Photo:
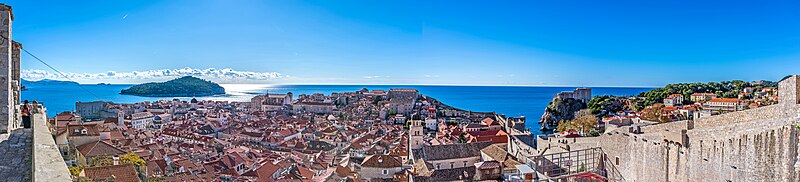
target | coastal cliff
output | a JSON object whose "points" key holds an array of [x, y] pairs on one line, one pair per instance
{"points": [[560, 109], [186, 86]]}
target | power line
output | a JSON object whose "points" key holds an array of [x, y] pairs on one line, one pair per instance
{"points": [[54, 69], [59, 72]]}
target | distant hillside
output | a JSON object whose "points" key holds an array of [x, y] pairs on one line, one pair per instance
{"points": [[186, 86], [724, 89], [47, 82]]}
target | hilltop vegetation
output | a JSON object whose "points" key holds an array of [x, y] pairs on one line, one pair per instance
{"points": [[724, 89], [602, 105], [46, 82], [186, 86]]}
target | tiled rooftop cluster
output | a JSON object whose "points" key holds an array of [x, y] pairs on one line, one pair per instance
{"points": [[359, 135]]}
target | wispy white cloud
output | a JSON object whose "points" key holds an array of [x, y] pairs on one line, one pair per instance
{"points": [[431, 76], [209, 73], [375, 76]]}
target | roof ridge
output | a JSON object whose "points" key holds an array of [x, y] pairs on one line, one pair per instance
{"points": [[93, 146]]}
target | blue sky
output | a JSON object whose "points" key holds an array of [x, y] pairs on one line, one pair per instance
{"points": [[579, 43]]}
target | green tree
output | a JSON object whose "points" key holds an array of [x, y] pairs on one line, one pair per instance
{"points": [[102, 161], [132, 158], [563, 125], [586, 123], [75, 170], [462, 138]]}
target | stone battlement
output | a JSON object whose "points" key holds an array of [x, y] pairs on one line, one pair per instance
{"points": [[760, 144], [31, 154], [788, 90], [47, 163]]}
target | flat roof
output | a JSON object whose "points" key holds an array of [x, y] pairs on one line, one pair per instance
{"points": [[524, 169]]}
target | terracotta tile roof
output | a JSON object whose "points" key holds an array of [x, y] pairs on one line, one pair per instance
{"points": [[488, 165], [453, 151], [343, 171], [99, 148], [65, 116], [703, 94], [77, 130], [496, 152], [724, 100], [675, 95], [381, 161], [119, 173]]}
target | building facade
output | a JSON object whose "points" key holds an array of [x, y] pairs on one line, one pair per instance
{"points": [[581, 94]]}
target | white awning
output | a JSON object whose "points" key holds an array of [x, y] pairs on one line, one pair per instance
{"points": [[524, 169]]}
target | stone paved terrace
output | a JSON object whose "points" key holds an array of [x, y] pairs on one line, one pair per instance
{"points": [[15, 152], [31, 154]]}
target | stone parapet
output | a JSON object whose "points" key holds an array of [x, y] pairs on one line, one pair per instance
{"points": [[787, 90], [47, 163]]}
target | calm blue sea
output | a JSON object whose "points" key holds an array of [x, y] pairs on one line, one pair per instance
{"points": [[510, 100]]}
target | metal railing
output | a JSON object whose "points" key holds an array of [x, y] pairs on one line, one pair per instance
{"points": [[569, 166]]}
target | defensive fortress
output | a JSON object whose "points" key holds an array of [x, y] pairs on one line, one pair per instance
{"points": [[759, 144]]}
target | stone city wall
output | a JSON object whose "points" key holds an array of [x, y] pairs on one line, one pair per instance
{"points": [[762, 150], [643, 157], [766, 154], [670, 126], [47, 163], [761, 113], [760, 144]]}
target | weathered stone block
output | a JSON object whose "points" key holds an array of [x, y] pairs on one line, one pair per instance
{"points": [[788, 90]]}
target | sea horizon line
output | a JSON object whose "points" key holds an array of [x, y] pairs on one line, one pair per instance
{"points": [[383, 84]]}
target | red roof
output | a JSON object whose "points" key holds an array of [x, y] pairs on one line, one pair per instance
{"points": [[702, 94], [100, 148], [122, 173], [489, 121], [675, 95], [724, 100]]}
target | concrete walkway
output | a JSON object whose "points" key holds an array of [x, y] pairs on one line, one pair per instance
{"points": [[15, 154]]}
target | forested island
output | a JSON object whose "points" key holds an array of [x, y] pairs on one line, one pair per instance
{"points": [[186, 86]]}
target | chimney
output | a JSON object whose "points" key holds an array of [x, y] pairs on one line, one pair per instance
{"points": [[787, 90], [116, 160]]}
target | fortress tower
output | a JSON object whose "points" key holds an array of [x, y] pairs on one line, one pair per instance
{"points": [[9, 73]]}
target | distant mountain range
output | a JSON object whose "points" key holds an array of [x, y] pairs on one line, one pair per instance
{"points": [[47, 82], [186, 86]]}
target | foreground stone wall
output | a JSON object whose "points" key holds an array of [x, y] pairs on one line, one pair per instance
{"points": [[16, 84], [644, 157], [762, 155], [760, 144], [6, 98], [761, 113], [671, 126], [47, 163]]}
